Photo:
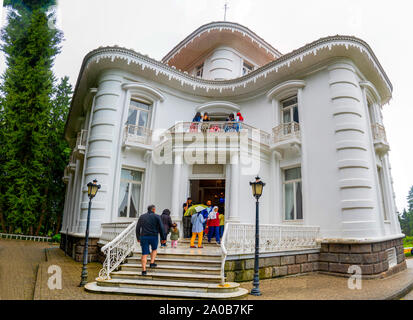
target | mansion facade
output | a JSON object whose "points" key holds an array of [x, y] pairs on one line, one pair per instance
{"points": [[312, 130]]}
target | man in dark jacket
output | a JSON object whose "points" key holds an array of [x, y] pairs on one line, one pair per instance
{"points": [[147, 229], [167, 223]]}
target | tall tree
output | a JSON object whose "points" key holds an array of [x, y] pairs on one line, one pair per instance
{"points": [[27, 87], [410, 199]]}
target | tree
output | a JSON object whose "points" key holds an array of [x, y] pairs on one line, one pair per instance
{"points": [[410, 199], [27, 113]]}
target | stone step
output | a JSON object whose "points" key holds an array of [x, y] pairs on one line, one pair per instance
{"points": [[188, 254], [169, 285], [205, 243], [172, 268], [178, 261], [171, 276], [93, 287]]}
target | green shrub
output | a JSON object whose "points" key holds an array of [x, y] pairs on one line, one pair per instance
{"points": [[56, 238], [408, 241]]}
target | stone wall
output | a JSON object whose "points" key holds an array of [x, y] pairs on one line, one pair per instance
{"points": [[271, 267], [336, 258], [76, 245]]}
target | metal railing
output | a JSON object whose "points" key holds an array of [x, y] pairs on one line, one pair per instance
{"points": [[117, 250], [214, 127], [240, 238], [25, 237], [81, 139], [137, 134], [111, 230], [285, 131], [379, 133]]}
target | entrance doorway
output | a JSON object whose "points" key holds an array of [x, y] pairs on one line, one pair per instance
{"points": [[202, 190]]}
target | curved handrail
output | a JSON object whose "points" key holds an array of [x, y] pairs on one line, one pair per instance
{"points": [[117, 250]]}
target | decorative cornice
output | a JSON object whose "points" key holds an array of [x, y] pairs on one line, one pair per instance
{"points": [[286, 60], [371, 90], [221, 25], [288, 86], [134, 86], [225, 105]]}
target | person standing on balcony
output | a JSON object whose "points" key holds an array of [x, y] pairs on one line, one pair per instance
{"points": [[206, 119], [167, 223], [147, 229], [239, 119], [198, 221], [230, 126], [213, 225], [195, 120]]}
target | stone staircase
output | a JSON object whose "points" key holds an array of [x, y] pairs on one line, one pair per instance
{"points": [[180, 272]]}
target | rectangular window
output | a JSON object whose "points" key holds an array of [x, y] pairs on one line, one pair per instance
{"points": [[246, 68], [138, 117], [199, 70], [293, 199], [129, 193]]}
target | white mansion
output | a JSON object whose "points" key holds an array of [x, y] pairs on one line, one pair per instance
{"points": [[312, 131]]}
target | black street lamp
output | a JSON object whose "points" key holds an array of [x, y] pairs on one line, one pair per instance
{"points": [[92, 189], [257, 187]]}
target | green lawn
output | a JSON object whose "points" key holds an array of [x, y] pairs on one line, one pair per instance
{"points": [[408, 243]]}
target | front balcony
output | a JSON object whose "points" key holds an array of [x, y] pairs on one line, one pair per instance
{"points": [[379, 138], [71, 167], [207, 131], [80, 146], [285, 136], [137, 137]]}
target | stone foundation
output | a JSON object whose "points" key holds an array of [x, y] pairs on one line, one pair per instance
{"points": [[278, 265], [372, 258], [76, 245]]}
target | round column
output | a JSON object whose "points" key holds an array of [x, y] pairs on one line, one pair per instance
{"points": [[358, 206], [103, 139]]}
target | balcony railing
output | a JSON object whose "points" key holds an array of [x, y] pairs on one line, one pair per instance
{"points": [[81, 139], [285, 131], [379, 133], [216, 127], [379, 138], [134, 134]]}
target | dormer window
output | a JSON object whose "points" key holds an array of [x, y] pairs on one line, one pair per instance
{"points": [[200, 70], [247, 68]]}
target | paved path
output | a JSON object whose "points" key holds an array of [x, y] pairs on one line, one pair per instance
{"points": [[19, 280], [19, 260], [323, 287]]}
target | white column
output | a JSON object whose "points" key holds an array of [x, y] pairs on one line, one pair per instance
{"points": [[66, 212], [275, 212], [74, 217], [176, 186], [148, 180], [234, 191], [102, 142]]}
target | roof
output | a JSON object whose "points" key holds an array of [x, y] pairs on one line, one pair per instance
{"points": [[217, 33]]}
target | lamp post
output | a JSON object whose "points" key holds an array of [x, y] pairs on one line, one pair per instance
{"points": [[92, 189], [257, 187]]}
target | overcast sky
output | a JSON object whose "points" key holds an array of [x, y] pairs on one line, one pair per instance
{"points": [[154, 27]]}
